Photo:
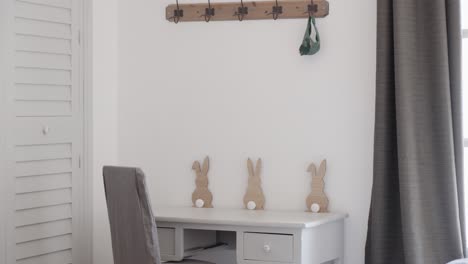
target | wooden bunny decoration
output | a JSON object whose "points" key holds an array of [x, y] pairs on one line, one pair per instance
{"points": [[254, 198], [202, 197], [317, 200]]}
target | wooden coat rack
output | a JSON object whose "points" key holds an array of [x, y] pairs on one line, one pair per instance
{"points": [[255, 10]]}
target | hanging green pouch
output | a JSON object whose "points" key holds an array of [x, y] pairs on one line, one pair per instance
{"points": [[310, 46]]}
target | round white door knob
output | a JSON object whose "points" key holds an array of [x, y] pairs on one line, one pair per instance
{"points": [[251, 205], [267, 248], [45, 130], [199, 203], [315, 208]]}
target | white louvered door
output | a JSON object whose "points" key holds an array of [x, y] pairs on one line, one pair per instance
{"points": [[45, 132]]}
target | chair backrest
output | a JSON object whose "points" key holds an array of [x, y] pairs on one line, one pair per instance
{"points": [[133, 227]]}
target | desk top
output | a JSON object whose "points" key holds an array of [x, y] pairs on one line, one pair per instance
{"points": [[242, 217]]}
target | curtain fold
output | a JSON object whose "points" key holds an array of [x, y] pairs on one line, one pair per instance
{"points": [[417, 207]]}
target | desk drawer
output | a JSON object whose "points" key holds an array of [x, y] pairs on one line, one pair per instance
{"points": [[167, 241], [268, 247]]}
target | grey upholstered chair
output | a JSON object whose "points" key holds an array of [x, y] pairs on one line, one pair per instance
{"points": [[133, 227]]}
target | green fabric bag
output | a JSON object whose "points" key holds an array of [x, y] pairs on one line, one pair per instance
{"points": [[309, 46]]}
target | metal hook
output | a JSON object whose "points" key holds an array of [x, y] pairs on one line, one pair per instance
{"points": [[209, 12], [241, 11], [178, 13], [312, 8], [276, 11]]}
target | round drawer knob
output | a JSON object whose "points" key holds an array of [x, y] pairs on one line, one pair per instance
{"points": [[267, 248], [45, 130]]}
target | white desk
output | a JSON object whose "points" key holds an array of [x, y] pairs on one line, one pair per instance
{"points": [[251, 237]]}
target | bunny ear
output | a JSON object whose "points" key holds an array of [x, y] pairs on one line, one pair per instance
{"points": [[258, 168], [250, 167], [312, 169], [206, 166], [196, 166], [323, 168]]}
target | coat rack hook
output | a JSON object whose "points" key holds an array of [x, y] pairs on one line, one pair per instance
{"points": [[276, 10], [312, 8], [209, 12], [241, 11], [178, 13]]}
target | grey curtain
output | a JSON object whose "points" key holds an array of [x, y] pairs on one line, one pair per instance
{"points": [[417, 210]]}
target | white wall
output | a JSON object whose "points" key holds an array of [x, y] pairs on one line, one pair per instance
{"points": [[234, 90], [105, 110]]}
